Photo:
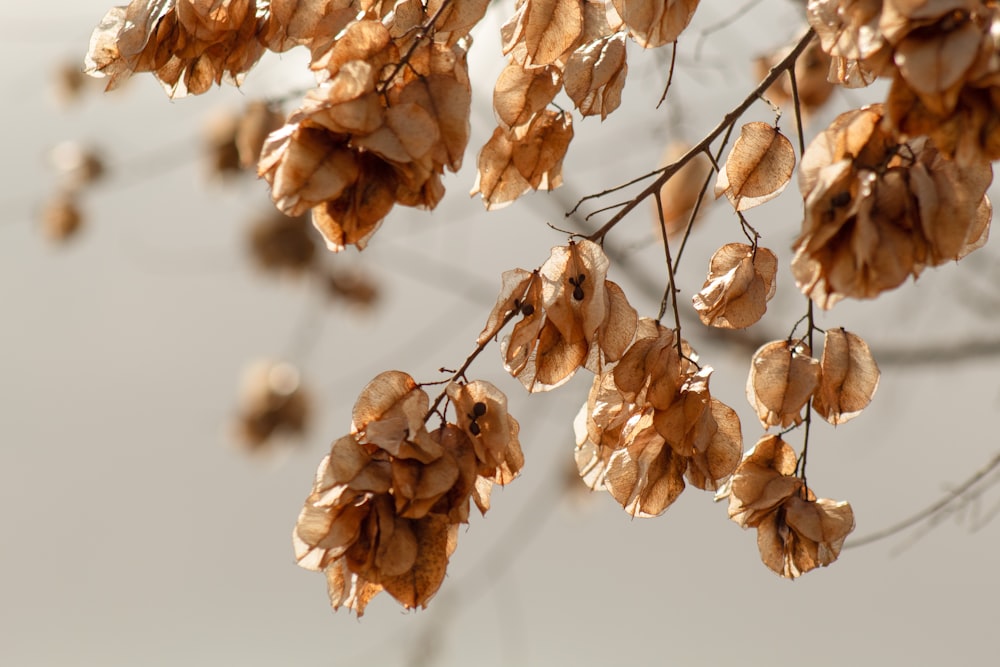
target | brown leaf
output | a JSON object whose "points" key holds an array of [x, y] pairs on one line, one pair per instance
{"points": [[848, 377], [758, 168], [782, 379], [740, 282]]}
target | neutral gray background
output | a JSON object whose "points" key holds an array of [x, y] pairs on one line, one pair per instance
{"points": [[133, 533]]}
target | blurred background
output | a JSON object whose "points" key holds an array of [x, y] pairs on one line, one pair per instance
{"points": [[136, 530]]}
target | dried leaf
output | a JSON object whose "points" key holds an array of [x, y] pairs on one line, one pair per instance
{"points": [[758, 168]]}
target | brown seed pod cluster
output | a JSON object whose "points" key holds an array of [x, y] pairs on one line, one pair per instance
{"points": [[189, 45], [362, 143], [273, 406], [571, 317], [878, 210], [79, 167], [572, 45], [943, 59], [888, 190], [650, 422], [796, 532], [387, 501]]}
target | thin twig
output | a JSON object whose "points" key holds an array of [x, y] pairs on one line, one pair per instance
{"points": [[468, 362], [930, 510], [405, 60], [730, 118], [670, 74]]}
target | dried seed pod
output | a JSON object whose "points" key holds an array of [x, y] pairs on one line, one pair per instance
{"points": [[78, 165], [282, 243], [273, 405], [482, 414], [595, 75], [680, 194], [740, 282], [805, 533], [520, 94], [61, 217], [758, 168], [762, 481], [782, 379], [541, 31], [848, 377], [654, 23]]}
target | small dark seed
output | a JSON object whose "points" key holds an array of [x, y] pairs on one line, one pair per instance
{"points": [[479, 409], [474, 428], [841, 199], [578, 293], [527, 309]]}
